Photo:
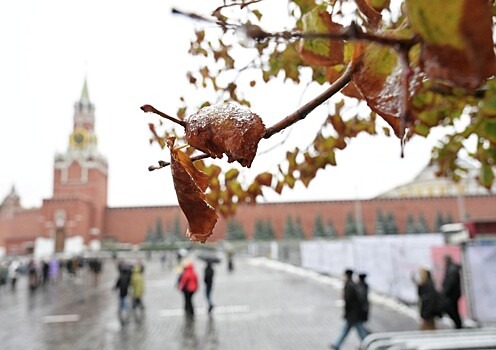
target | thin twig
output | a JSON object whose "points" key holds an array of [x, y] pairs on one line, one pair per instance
{"points": [[241, 5], [350, 32], [163, 163], [151, 109], [195, 16], [303, 111]]}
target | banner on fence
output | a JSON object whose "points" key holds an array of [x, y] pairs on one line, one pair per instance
{"points": [[481, 261]]}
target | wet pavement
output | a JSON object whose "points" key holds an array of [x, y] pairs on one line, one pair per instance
{"points": [[261, 305]]}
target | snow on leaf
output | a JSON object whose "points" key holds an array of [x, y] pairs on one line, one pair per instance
{"points": [[190, 185], [226, 129], [457, 39]]}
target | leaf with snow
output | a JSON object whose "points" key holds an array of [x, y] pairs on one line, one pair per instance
{"points": [[190, 185]]}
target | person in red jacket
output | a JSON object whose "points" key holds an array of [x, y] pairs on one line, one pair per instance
{"points": [[188, 284]]}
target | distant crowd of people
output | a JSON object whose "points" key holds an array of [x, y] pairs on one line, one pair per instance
{"points": [[130, 287], [432, 303], [130, 282], [41, 272]]}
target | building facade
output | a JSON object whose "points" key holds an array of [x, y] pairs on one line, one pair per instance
{"points": [[79, 207]]}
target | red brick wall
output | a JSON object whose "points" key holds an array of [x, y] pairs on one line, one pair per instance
{"points": [[79, 216], [131, 225]]}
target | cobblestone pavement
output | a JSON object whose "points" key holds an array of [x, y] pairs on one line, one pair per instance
{"points": [[261, 305]]}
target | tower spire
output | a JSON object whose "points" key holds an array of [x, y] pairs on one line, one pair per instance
{"points": [[85, 96]]}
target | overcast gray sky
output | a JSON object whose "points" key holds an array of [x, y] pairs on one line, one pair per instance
{"points": [[134, 53]]}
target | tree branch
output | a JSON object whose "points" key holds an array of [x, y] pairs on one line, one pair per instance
{"points": [[163, 163], [404, 102], [241, 5], [303, 111], [151, 109], [351, 32]]}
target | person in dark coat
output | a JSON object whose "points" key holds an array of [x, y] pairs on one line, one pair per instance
{"points": [[429, 307], [363, 295], [452, 290], [208, 278], [352, 311], [122, 285]]}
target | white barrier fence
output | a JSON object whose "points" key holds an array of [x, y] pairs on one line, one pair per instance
{"points": [[45, 247], [481, 260], [390, 261]]}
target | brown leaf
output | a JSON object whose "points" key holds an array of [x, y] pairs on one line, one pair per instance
{"points": [[190, 185], [373, 16], [457, 45], [264, 179], [226, 129], [350, 90], [378, 77], [321, 52]]}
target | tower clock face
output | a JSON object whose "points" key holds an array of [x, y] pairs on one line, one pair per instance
{"points": [[79, 137]]}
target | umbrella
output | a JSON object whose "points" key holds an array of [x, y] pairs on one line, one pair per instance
{"points": [[209, 258], [182, 252]]}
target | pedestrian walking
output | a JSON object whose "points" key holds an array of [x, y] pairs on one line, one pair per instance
{"points": [[54, 269], [352, 311], [95, 266], [429, 300], [163, 258], [45, 267], [452, 290], [13, 273], [122, 285], [4, 272], [208, 278], [33, 275], [138, 288], [363, 296], [230, 260], [188, 284]]}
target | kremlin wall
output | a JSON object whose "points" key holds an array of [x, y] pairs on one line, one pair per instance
{"points": [[78, 206]]}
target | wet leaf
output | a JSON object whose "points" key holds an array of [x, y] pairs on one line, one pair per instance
{"points": [[486, 177], [279, 187], [337, 123], [190, 185], [321, 52], [379, 5], [373, 16], [156, 137], [264, 179], [231, 174], [457, 45], [226, 129], [333, 73], [487, 129], [379, 79]]}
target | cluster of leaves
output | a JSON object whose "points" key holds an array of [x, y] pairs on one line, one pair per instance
{"points": [[414, 68]]}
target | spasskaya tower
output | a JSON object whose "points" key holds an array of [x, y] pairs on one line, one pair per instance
{"points": [[79, 181]]}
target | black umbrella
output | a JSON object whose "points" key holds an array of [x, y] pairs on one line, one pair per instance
{"points": [[209, 258]]}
